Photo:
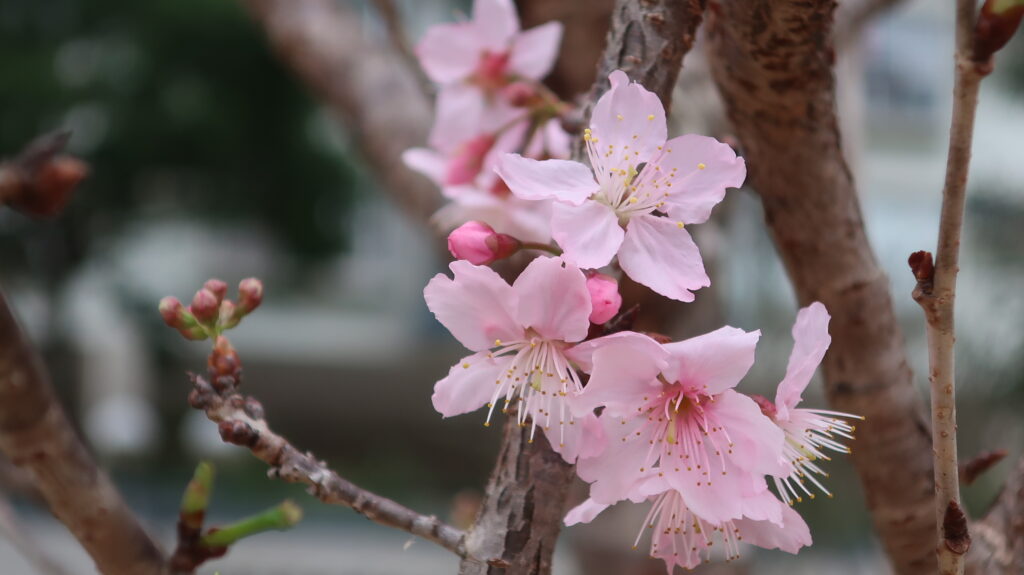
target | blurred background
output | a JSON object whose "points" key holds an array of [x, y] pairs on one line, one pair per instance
{"points": [[208, 158]]}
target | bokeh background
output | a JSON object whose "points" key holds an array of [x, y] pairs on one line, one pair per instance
{"points": [[210, 159]]}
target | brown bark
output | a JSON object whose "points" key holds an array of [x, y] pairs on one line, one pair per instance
{"points": [[998, 539], [772, 60], [365, 84], [36, 435]]}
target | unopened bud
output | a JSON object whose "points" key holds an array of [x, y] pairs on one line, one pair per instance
{"points": [[205, 306], [217, 287], [250, 295], [228, 316], [479, 244], [605, 299], [171, 310], [51, 187], [996, 24]]}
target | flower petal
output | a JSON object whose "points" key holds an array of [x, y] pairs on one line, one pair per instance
{"points": [[589, 234], [616, 473], [623, 371], [449, 52], [553, 300], [496, 23], [562, 180], [468, 386], [810, 342], [790, 537], [628, 123], [585, 438], [585, 512], [695, 171], [535, 50], [713, 362], [461, 114], [477, 306], [661, 255], [757, 443], [427, 162]]}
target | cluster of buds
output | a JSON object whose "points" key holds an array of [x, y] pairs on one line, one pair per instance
{"points": [[211, 313]]}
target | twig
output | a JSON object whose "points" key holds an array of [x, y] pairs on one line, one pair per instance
{"points": [[997, 547], [36, 434], [240, 420], [39, 181], [772, 61], [10, 528], [979, 464], [936, 293], [392, 17]]}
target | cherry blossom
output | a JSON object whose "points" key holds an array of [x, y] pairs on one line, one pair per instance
{"points": [[810, 433], [636, 196], [479, 244]]}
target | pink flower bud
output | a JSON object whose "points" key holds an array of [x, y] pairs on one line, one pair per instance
{"points": [[205, 306], [466, 163], [217, 287], [604, 297], [479, 244], [520, 94], [171, 310], [250, 295]]}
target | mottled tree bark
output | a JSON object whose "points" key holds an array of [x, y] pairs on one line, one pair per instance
{"points": [[998, 540], [36, 434], [773, 61]]}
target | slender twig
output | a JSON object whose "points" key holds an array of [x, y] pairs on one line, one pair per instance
{"points": [[36, 434], [10, 528], [936, 294], [399, 37], [241, 421]]}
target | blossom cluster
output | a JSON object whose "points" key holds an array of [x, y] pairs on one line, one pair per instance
{"points": [[645, 420]]}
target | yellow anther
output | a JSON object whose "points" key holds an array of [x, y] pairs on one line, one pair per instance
{"points": [[633, 200], [679, 225], [650, 116], [465, 365], [701, 166], [497, 342], [618, 116]]}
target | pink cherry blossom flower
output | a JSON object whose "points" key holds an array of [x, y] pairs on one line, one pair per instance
{"points": [[686, 427], [810, 433], [490, 50], [604, 294], [522, 336], [616, 206]]}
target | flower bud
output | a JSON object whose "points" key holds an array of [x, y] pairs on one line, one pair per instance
{"points": [[604, 297], [466, 163], [479, 244], [171, 310], [217, 287], [250, 295], [205, 306], [520, 94]]}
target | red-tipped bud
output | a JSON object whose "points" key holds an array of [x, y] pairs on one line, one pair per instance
{"points": [[228, 316], [224, 361], [250, 295], [996, 25], [205, 306], [520, 94], [605, 299], [217, 287], [479, 244], [171, 310]]}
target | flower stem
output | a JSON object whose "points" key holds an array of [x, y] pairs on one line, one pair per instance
{"points": [[542, 247], [285, 515], [197, 493]]}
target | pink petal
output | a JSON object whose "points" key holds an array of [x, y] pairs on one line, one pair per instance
{"points": [[449, 52], [584, 512], [761, 504], [615, 474], [757, 441], [496, 22], [661, 255], [528, 221], [585, 438], [704, 168], [562, 180], [468, 387], [811, 341], [461, 114], [478, 307], [589, 234], [535, 50], [790, 537], [427, 162], [624, 368], [713, 362], [625, 111], [707, 492], [553, 300]]}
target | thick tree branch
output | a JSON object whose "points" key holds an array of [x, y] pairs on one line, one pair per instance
{"points": [[364, 84], [241, 422], [772, 60], [36, 434]]}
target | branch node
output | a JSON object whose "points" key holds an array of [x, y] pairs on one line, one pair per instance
{"points": [[954, 529]]}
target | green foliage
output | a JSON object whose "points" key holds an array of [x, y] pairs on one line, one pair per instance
{"points": [[180, 108]]}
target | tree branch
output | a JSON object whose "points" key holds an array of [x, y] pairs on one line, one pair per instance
{"points": [[998, 539], [364, 84], [36, 434], [240, 420], [772, 61]]}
